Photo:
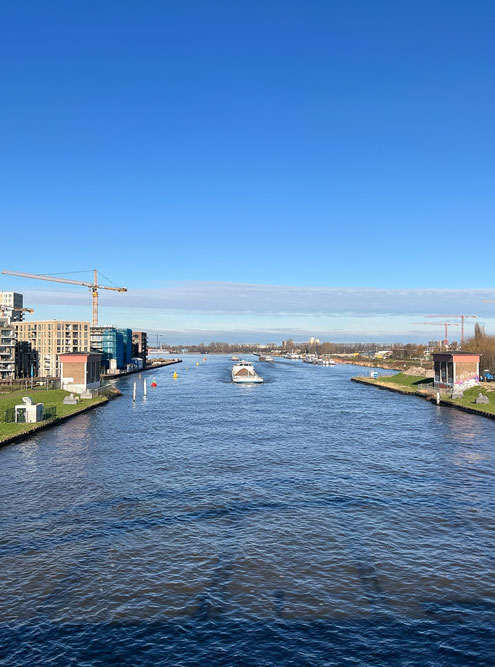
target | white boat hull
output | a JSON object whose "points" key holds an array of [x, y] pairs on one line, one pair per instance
{"points": [[248, 380]]}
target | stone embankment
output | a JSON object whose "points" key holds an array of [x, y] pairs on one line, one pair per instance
{"points": [[149, 367], [392, 365]]}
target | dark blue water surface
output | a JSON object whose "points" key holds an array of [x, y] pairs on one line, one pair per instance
{"points": [[306, 521]]}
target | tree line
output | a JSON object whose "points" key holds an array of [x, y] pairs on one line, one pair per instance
{"points": [[484, 344]]}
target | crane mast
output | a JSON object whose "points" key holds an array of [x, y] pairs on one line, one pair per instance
{"points": [[93, 287], [461, 317], [444, 324]]}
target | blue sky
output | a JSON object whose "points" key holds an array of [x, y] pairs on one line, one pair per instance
{"points": [[191, 150]]}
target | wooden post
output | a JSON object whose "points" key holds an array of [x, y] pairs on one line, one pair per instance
{"points": [[134, 392]]}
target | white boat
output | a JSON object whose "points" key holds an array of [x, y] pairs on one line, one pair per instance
{"points": [[243, 372], [265, 357]]}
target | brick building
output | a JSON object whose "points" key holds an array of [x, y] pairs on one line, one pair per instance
{"points": [[453, 368], [80, 371]]}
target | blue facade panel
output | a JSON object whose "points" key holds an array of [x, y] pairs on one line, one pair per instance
{"points": [[113, 344], [126, 346]]}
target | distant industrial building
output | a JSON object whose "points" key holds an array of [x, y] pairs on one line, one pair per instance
{"points": [[52, 338], [140, 345], [11, 304]]}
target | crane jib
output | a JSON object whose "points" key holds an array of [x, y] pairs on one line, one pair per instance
{"points": [[94, 286]]}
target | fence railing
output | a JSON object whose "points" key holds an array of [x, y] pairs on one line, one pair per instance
{"points": [[28, 384], [8, 415]]}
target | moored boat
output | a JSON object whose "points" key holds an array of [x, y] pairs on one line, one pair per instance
{"points": [[243, 372]]}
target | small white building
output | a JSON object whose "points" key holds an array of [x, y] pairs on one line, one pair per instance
{"points": [[29, 412]]}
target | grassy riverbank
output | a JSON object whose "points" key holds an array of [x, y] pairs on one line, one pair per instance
{"points": [[468, 401], [52, 399], [412, 384], [407, 384]]}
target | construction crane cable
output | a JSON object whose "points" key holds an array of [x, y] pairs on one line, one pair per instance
{"points": [[107, 278], [66, 273], [93, 286]]}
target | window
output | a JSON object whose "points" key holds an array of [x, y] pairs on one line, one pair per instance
{"points": [[450, 372]]}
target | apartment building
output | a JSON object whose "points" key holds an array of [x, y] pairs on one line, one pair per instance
{"points": [[26, 360], [9, 301], [52, 338], [17, 358], [7, 349]]}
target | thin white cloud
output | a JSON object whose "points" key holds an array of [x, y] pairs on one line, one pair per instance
{"points": [[278, 300]]}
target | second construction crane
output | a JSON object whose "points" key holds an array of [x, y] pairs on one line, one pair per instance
{"points": [[12, 309], [93, 287], [444, 324], [461, 317]]}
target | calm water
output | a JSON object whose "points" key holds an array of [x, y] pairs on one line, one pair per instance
{"points": [[307, 521]]}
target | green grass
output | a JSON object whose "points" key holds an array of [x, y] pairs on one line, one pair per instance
{"points": [[469, 400], [411, 383], [52, 397], [401, 378]]}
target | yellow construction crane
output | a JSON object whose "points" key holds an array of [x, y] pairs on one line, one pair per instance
{"points": [[4, 309], [19, 310], [93, 287]]}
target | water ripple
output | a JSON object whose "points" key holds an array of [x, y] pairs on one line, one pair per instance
{"points": [[309, 521]]}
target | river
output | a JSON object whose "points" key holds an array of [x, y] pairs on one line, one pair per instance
{"points": [[306, 521]]}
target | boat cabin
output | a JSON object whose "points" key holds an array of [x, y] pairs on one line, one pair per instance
{"points": [[244, 369], [454, 368]]}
